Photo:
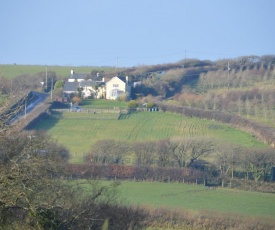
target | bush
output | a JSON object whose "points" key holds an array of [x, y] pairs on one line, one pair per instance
{"points": [[59, 84], [150, 105], [77, 100], [132, 105]]}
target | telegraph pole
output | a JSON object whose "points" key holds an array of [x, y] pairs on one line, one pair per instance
{"points": [[116, 64], [52, 89], [46, 78], [228, 69]]}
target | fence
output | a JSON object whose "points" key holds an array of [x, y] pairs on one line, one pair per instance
{"points": [[115, 110], [94, 114]]}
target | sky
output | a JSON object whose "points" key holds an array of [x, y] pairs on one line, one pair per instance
{"points": [[126, 33]]}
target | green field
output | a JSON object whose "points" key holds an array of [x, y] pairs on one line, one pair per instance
{"points": [[11, 71], [90, 103], [79, 131], [197, 198]]}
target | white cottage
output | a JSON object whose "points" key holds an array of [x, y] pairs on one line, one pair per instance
{"points": [[117, 87], [79, 77]]}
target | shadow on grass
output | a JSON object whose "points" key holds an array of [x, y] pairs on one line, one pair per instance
{"points": [[44, 121], [123, 116]]}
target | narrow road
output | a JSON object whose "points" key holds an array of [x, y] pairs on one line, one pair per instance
{"points": [[39, 98]]}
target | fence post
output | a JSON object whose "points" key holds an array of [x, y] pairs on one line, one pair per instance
{"points": [[222, 183], [183, 180], [196, 181]]}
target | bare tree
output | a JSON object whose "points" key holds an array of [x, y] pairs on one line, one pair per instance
{"points": [[258, 162], [226, 159], [108, 151], [145, 153], [164, 153], [186, 151], [28, 162]]}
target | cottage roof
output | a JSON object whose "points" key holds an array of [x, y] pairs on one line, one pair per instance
{"points": [[122, 78], [78, 76], [71, 86], [87, 83], [101, 83]]}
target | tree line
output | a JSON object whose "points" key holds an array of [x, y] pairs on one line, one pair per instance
{"points": [[177, 159], [175, 152]]}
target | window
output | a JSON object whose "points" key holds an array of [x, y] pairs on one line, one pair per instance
{"points": [[115, 85]]}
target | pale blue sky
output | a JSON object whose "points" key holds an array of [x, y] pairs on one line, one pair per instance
{"points": [[133, 32]]}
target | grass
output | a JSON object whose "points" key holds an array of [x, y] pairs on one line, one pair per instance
{"points": [[79, 131], [197, 198], [11, 71], [90, 103]]}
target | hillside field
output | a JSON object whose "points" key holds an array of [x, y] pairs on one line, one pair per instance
{"points": [[79, 131], [11, 71], [91, 103], [196, 198]]}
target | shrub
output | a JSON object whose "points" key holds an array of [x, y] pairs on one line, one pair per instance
{"points": [[132, 105], [150, 105]]}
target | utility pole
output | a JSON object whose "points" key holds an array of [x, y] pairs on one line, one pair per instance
{"points": [[116, 64], [185, 54], [52, 89], [228, 69], [46, 79]]}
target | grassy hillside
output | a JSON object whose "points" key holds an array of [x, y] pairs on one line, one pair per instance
{"points": [[198, 198], [11, 71], [79, 131]]}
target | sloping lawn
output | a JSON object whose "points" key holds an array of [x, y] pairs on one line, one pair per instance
{"points": [[79, 131]]}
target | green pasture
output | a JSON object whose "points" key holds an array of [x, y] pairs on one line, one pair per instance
{"points": [[196, 198], [11, 71], [91, 103], [79, 131]]}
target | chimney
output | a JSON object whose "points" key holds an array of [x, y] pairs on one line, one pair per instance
{"points": [[103, 79], [127, 79], [72, 72]]}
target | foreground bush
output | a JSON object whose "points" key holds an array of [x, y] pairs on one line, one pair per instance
{"points": [[166, 219], [33, 194]]}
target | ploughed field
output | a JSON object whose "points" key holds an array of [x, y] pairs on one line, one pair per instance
{"points": [[79, 131]]}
